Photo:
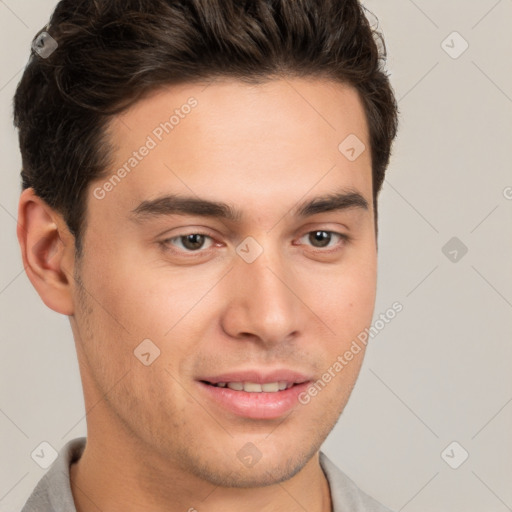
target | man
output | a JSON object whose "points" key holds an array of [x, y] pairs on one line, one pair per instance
{"points": [[200, 198]]}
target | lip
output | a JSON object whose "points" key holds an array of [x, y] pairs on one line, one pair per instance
{"points": [[263, 405], [259, 377]]}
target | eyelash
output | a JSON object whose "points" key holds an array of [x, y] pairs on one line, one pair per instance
{"points": [[167, 245]]}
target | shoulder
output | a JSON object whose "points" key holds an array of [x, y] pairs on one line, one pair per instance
{"points": [[53, 492], [345, 494]]}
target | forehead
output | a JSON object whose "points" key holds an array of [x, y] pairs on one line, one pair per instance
{"points": [[254, 145]]}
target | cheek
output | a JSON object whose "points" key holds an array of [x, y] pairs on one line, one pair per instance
{"points": [[344, 297], [130, 297], [150, 302]]}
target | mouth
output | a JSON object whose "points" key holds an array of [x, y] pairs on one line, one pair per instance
{"points": [[255, 395], [254, 387]]}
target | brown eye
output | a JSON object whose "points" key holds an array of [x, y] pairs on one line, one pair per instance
{"points": [[322, 239], [191, 242]]}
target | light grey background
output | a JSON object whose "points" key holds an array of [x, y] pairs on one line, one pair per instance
{"points": [[440, 371]]}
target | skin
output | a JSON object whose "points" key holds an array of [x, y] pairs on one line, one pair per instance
{"points": [[155, 441]]}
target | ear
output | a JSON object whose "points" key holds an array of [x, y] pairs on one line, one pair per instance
{"points": [[47, 250]]}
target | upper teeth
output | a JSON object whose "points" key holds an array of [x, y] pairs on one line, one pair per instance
{"points": [[253, 387]]}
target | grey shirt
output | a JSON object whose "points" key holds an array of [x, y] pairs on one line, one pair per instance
{"points": [[53, 492]]}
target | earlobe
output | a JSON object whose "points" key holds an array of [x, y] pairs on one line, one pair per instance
{"points": [[47, 250]]}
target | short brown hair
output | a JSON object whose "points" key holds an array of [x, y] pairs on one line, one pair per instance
{"points": [[112, 52]]}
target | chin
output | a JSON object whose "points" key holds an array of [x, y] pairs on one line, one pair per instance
{"points": [[271, 469], [261, 475]]}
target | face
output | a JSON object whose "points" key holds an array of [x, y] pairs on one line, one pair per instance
{"points": [[194, 316]]}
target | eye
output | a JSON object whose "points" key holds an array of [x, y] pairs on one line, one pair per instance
{"points": [[199, 243], [321, 239], [191, 242]]}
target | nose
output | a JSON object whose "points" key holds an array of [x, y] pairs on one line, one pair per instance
{"points": [[264, 305]]}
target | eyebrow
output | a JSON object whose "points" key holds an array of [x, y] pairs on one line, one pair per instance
{"points": [[188, 205]]}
